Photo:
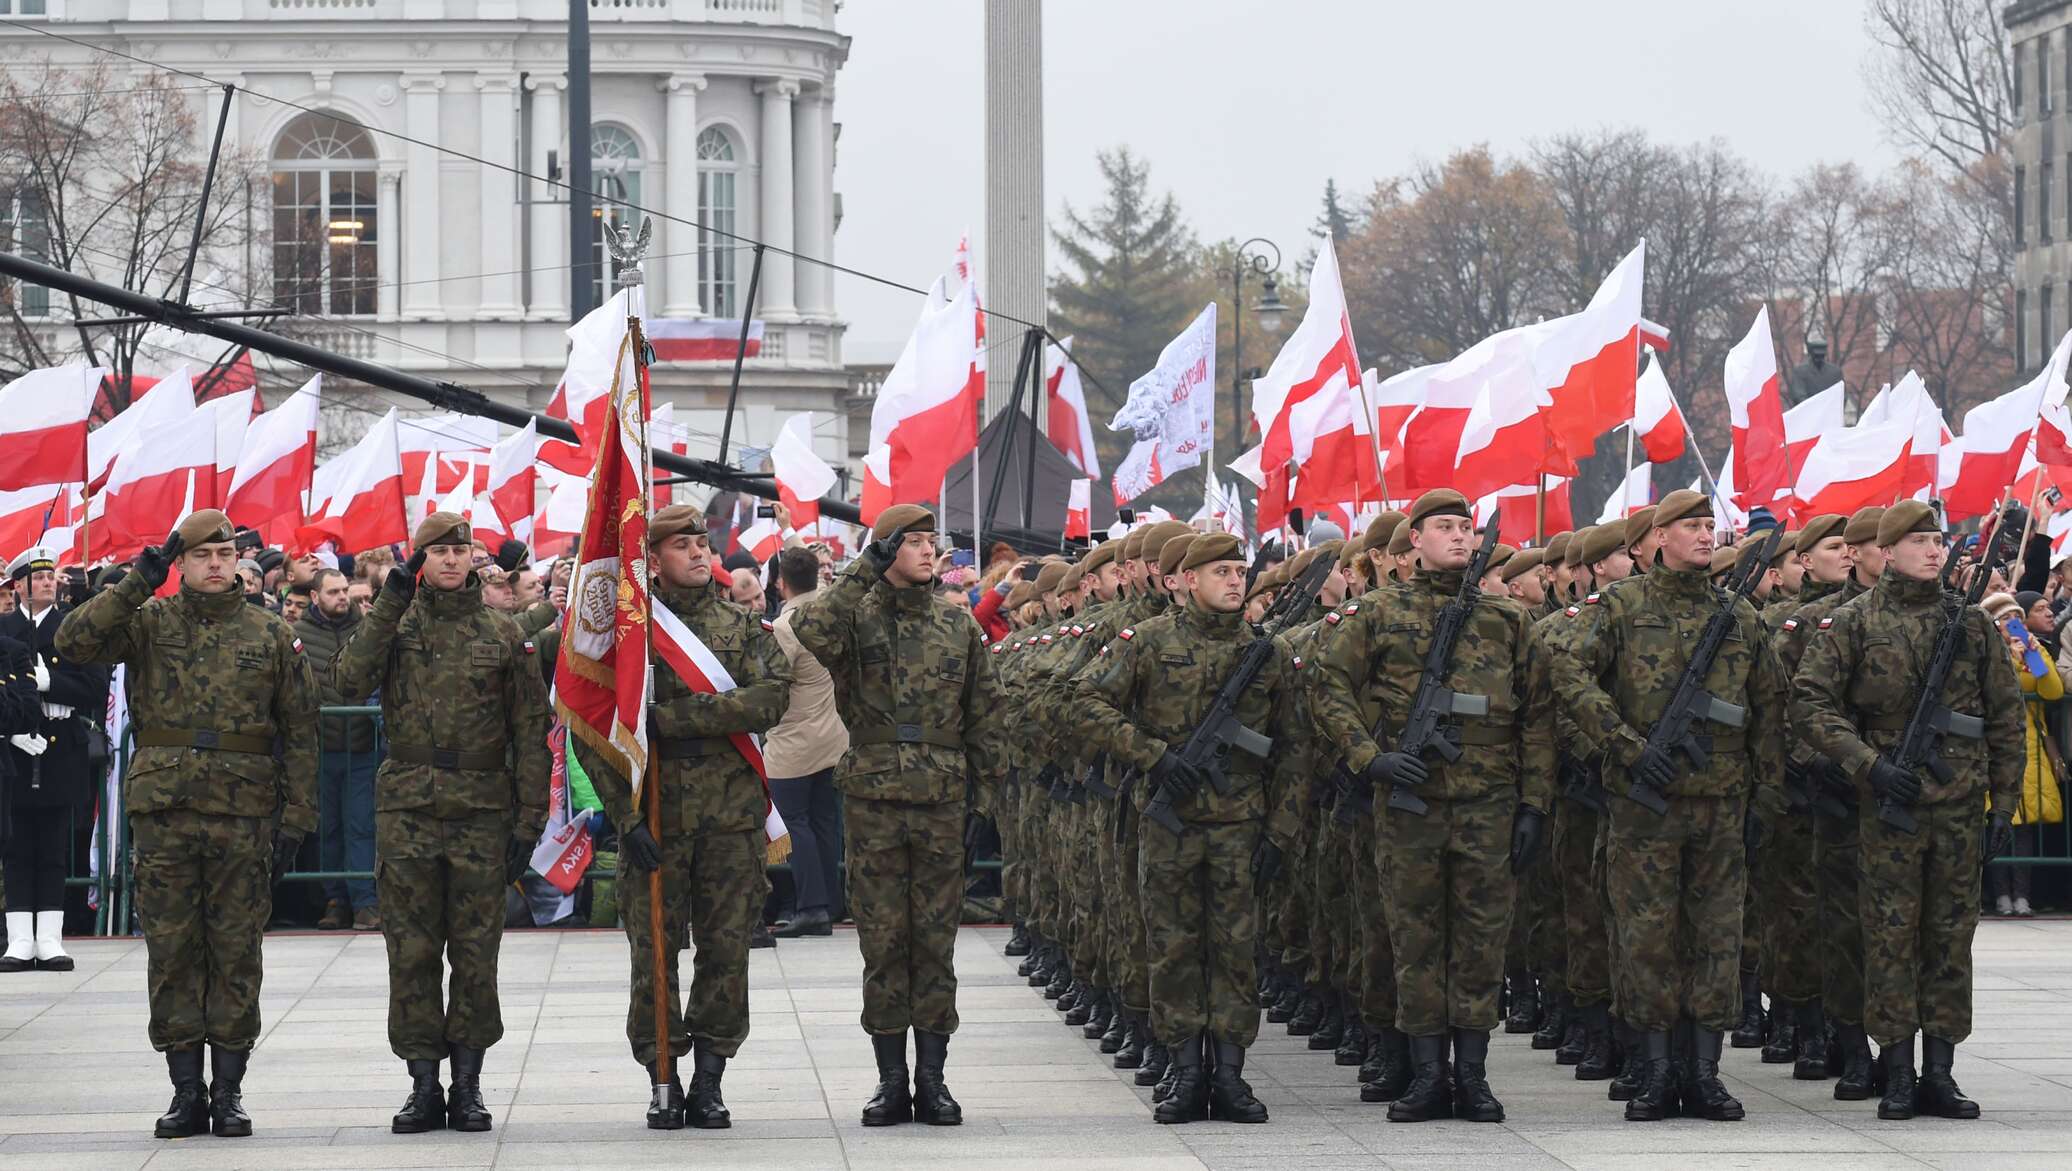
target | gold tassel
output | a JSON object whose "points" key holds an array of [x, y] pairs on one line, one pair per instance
{"points": [[778, 850]]}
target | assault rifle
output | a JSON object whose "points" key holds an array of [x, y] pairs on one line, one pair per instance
{"points": [[1690, 702], [1920, 746], [1209, 745]]}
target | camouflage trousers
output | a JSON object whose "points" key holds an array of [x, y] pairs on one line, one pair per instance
{"points": [[1201, 924], [1449, 910], [1297, 890], [1084, 873], [1547, 935], [1043, 850], [1330, 906], [1136, 970], [1919, 902], [442, 903], [1839, 867], [906, 884], [1588, 975], [716, 884], [1377, 966], [1676, 883], [1114, 895], [1787, 881], [203, 898], [1014, 869]]}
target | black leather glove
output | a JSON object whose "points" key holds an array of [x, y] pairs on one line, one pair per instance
{"points": [[517, 860], [402, 580], [285, 843], [1893, 783], [1999, 835], [879, 554], [1528, 831], [510, 555], [1266, 865], [638, 849], [154, 564], [1655, 768], [1176, 776], [1391, 768]]}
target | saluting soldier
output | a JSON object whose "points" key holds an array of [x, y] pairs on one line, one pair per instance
{"points": [[1857, 685], [1449, 874], [221, 792], [458, 805]]}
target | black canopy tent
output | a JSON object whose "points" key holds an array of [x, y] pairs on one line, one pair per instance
{"points": [[1006, 447]]}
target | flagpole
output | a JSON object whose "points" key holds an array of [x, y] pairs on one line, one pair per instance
{"points": [[1539, 508], [1711, 484]]}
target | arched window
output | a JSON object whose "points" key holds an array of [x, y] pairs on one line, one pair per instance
{"points": [[718, 171], [614, 174], [324, 216]]}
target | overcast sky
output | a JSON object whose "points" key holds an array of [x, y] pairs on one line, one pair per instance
{"points": [[1243, 109]]}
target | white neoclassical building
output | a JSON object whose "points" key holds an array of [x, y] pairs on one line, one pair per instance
{"points": [[435, 255]]}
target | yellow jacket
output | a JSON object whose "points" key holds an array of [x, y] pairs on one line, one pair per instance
{"points": [[2042, 798]]}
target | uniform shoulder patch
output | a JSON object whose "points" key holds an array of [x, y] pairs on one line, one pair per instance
{"points": [[1572, 611], [1047, 639], [296, 643], [530, 647], [1334, 618], [997, 648], [1791, 624], [1126, 633], [1298, 662], [1826, 622], [1078, 631], [1592, 599], [769, 625], [1352, 608], [1066, 628]]}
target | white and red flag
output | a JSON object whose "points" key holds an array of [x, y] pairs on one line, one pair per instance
{"points": [[1657, 420], [514, 479], [169, 402], [1517, 507], [1171, 410], [277, 461], [1908, 402], [586, 383], [802, 476], [27, 513], [926, 415], [1805, 423], [1069, 425], [43, 425], [665, 435], [1755, 412], [1309, 400], [364, 507], [1588, 364], [679, 648], [1854, 468], [1635, 492], [1079, 502], [761, 540], [1978, 466], [702, 339]]}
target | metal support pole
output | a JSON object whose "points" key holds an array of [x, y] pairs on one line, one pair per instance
{"points": [[726, 429], [1032, 348], [208, 184]]}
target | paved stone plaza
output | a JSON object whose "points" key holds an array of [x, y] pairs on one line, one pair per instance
{"points": [[79, 1085]]}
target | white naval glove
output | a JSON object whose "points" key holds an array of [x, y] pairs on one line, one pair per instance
{"points": [[30, 743], [42, 674]]}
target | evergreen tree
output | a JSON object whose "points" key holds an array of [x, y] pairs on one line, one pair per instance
{"points": [[1334, 221]]}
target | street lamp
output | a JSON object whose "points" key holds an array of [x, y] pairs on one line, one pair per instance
{"points": [[1270, 309]]}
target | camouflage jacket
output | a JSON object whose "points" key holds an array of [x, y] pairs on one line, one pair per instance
{"points": [[1861, 672], [1630, 650], [717, 790], [1369, 666], [207, 663], [1147, 690], [905, 661], [1553, 634], [1788, 631], [455, 676]]}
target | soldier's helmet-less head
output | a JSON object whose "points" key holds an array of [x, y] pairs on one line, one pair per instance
{"points": [[1684, 519], [208, 552], [684, 564], [915, 563], [448, 543]]}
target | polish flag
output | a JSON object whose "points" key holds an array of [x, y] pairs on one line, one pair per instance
{"points": [[560, 517], [701, 339], [762, 540], [1395, 399], [802, 476], [877, 485], [1657, 420], [1654, 337], [665, 435], [1634, 493], [2059, 529], [1079, 510], [1755, 409], [1588, 365], [1516, 508], [1069, 426], [1431, 445], [514, 479], [277, 461], [1506, 430], [365, 505], [26, 514], [1977, 467], [927, 408], [1806, 423], [233, 415], [1907, 401], [579, 398], [1854, 468], [43, 436], [159, 478], [434, 447], [170, 402], [1320, 363]]}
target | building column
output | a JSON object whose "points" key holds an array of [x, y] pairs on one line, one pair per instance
{"points": [[499, 121], [679, 240], [815, 206], [549, 301], [1014, 275], [775, 298], [421, 293], [388, 243]]}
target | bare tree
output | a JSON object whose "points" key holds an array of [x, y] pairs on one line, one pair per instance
{"points": [[1942, 78], [1945, 302]]}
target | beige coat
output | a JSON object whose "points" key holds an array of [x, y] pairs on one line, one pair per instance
{"points": [[810, 737]]}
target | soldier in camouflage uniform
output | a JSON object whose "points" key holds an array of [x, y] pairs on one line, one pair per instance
{"points": [[220, 794], [1525, 582], [914, 686], [1450, 870], [1676, 879], [712, 804], [459, 803], [1920, 894]]}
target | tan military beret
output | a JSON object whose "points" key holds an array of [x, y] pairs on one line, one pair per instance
{"points": [[1820, 528], [1021, 595], [1069, 584], [1523, 562], [1599, 543], [1268, 581], [1381, 528], [1352, 549], [1786, 544], [1501, 556], [1557, 549], [1439, 502], [1328, 549], [1681, 505], [1132, 545], [1724, 558], [1156, 535], [1173, 552], [911, 517], [674, 520], [1399, 544], [1573, 555], [1863, 525], [1049, 576], [1300, 563], [1908, 516], [207, 526], [1101, 554], [1639, 525], [442, 528], [1210, 548]]}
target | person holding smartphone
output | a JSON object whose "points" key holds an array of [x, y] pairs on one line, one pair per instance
{"points": [[2042, 801]]}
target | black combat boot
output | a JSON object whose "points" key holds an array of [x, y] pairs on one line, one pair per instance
{"points": [[1332, 1027], [1782, 1045], [665, 1102], [1632, 1064], [1230, 1096], [1473, 1101], [1130, 1054], [1393, 1071], [1117, 1034], [1018, 943], [1656, 1096], [1308, 1014], [1187, 1094], [188, 1116], [1287, 999], [707, 1110], [464, 1108], [1352, 1041], [1370, 1063], [1937, 1094], [1553, 1022], [1809, 1032], [227, 1117], [1101, 1018], [1524, 992], [1704, 1095], [891, 1103], [1074, 1000], [1430, 1092], [1898, 1104], [1853, 1080], [1597, 1064], [1749, 1033], [1573, 1038], [1060, 977], [932, 1102], [1039, 951], [1156, 1060], [425, 1108]]}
